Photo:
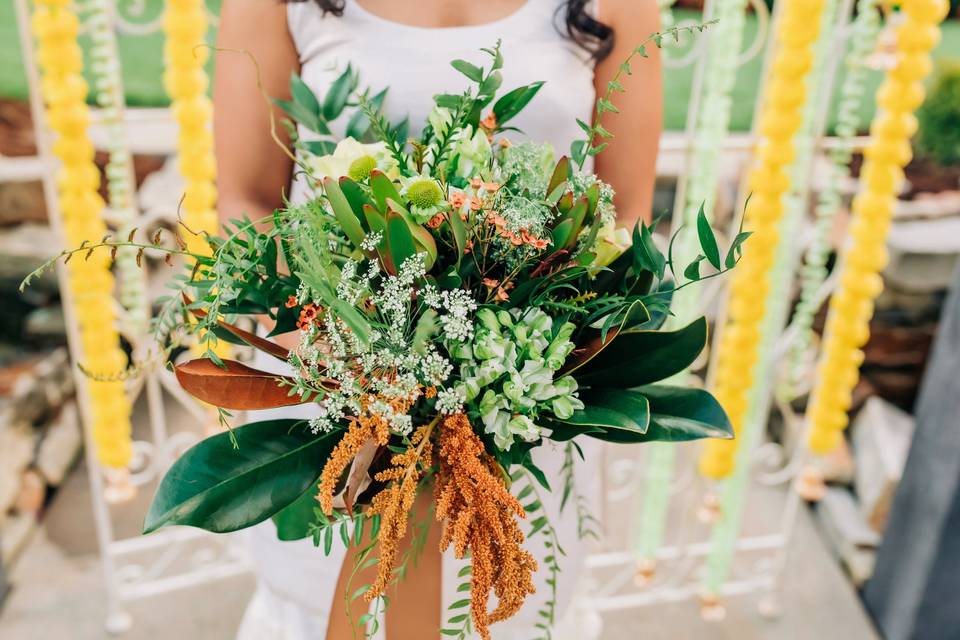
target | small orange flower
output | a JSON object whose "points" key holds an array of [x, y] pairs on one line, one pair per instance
{"points": [[308, 314], [505, 144], [435, 221], [458, 199], [495, 220], [475, 203], [430, 392], [490, 283], [489, 122], [501, 295], [291, 302]]}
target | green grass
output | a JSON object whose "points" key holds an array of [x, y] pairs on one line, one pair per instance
{"points": [[143, 69]]}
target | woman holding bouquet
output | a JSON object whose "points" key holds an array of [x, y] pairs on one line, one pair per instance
{"points": [[405, 45]]}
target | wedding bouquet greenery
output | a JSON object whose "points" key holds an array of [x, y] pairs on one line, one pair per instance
{"points": [[460, 300]]}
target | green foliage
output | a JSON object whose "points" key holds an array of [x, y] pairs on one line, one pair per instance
{"points": [[234, 480], [642, 357], [938, 136], [676, 414], [595, 134], [459, 624]]}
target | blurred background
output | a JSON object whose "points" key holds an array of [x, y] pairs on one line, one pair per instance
{"points": [[862, 543]]}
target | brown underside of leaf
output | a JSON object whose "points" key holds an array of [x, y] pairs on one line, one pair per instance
{"points": [[235, 386]]}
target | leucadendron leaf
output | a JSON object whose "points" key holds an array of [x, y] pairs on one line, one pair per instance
{"points": [[235, 480]]}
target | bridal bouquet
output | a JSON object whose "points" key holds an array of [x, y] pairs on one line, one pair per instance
{"points": [[460, 299]]}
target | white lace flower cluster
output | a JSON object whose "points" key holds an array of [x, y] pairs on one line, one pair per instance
{"points": [[508, 371], [392, 364], [456, 307]]}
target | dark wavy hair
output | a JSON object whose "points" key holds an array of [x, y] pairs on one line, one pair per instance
{"points": [[581, 27]]}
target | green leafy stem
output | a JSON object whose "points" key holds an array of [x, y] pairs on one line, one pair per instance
{"points": [[582, 149]]}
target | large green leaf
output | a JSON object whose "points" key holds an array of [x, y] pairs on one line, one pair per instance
{"points": [[676, 414], [356, 197], [399, 239], [383, 189], [221, 487], [339, 93], [641, 357], [293, 521], [603, 332], [343, 212], [681, 413], [514, 101], [623, 415]]}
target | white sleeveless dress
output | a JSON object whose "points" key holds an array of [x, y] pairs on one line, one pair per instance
{"points": [[296, 582]]}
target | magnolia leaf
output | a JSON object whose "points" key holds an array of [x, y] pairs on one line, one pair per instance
{"points": [[235, 385], [597, 341], [678, 414], [642, 357], [294, 521], [221, 487]]}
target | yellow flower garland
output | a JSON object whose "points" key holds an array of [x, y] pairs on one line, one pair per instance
{"points": [[185, 25], [55, 27], [781, 116], [865, 255]]}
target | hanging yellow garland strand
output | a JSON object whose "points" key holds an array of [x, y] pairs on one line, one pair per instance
{"points": [[185, 25], [865, 255], [781, 116], [55, 27]]}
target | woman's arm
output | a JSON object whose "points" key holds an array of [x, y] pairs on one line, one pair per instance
{"points": [[252, 170], [630, 163]]}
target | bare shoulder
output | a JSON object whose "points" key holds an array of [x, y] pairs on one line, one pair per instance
{"points": [[631, 15], [263, 16]]}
